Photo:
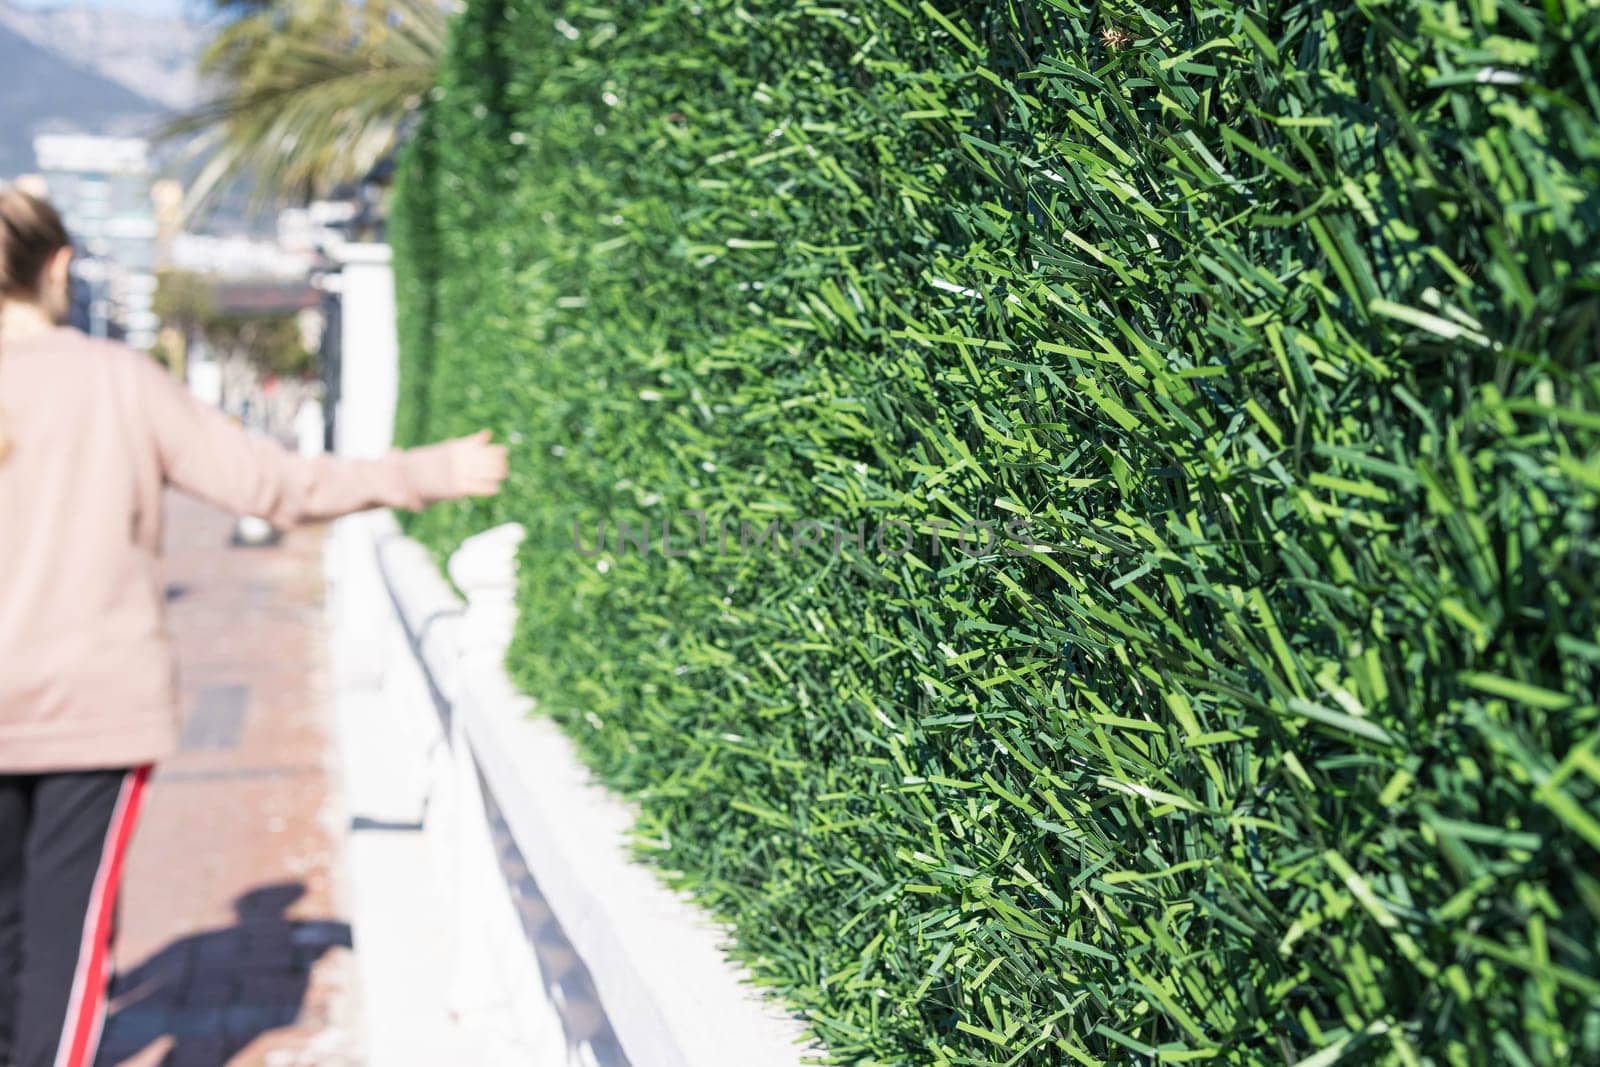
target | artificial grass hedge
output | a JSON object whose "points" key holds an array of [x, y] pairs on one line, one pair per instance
{"points": [[1278, 321]]}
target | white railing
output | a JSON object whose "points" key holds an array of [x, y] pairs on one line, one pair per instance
{"points": [[533, 937]]}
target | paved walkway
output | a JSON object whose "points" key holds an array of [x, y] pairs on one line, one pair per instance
{"points": [[233, 947]]}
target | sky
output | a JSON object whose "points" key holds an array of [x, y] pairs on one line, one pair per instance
{"points": [[146, 7]]}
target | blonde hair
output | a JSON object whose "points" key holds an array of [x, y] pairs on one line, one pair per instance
{"points": [[30, 233]]}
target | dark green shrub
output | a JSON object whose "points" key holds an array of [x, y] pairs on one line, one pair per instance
{"points": [[1278, 322]]}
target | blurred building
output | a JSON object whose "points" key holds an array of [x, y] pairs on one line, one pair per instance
{"points": [[318, 226], [295, 249], [102, 187], [239, 256]]}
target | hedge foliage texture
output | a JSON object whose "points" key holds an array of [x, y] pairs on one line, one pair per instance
{"points": [[1272, 737]]}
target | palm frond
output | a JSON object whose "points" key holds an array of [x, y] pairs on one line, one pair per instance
{"points": [[312, 94]]}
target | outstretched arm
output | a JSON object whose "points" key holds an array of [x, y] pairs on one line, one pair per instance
{"points": [[208, 455]]}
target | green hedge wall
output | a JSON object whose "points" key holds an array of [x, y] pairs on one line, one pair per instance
{"points": [[1271, 736]]}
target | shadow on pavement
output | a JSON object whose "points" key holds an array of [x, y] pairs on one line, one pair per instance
{"points": [[210, 994]]}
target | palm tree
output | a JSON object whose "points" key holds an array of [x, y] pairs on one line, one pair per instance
{"points": [[311, 94]]}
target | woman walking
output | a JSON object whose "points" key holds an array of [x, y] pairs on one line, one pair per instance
{"points": [[91, 432]]}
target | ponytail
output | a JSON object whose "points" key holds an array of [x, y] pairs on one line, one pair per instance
{"points": [[30, 233], [5, 440]]}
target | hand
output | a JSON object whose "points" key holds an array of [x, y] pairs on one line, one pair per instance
{"points": [[477, 467]]}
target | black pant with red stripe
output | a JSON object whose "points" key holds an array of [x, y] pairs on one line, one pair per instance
{"points": [[62, 840]]}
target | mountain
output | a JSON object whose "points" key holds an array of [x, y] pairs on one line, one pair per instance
{"points": [[151, 56], [88, 71]]}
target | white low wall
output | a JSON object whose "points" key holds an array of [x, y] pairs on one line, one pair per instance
{"points": [[369, 372], [498, 916]]}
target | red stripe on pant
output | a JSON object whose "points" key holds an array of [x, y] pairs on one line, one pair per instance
{"points": [[86, 1011]]}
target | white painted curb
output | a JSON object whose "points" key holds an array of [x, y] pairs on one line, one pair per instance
{"points": [[588, 958]]}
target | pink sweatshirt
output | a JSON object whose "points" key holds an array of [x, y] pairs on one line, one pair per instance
{"points": [[97, 430]]}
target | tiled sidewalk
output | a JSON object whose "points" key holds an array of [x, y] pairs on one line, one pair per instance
{"points": [[232, 947]]}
